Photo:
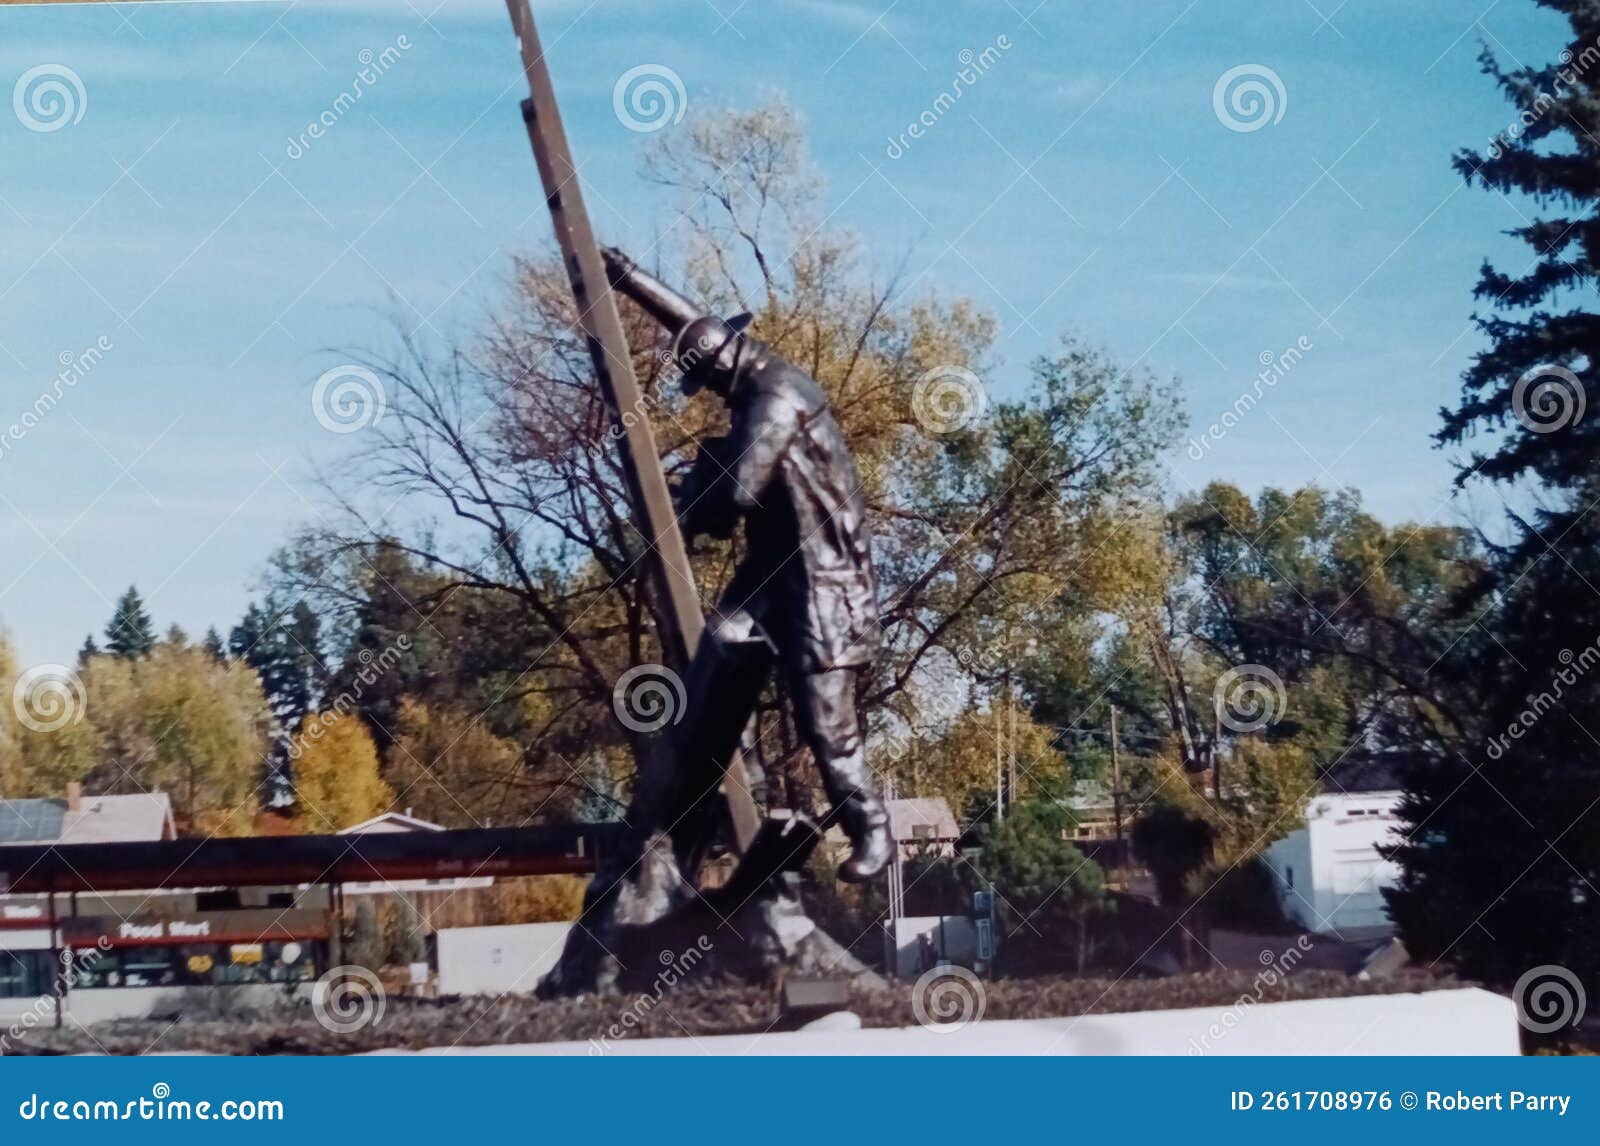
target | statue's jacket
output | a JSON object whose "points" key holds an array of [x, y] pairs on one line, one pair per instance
{"points": [[786, 469]]}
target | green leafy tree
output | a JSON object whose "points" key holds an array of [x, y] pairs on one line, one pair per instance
{"points": [[176, 721], [56, 745]]}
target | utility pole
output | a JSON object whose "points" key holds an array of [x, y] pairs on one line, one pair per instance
{"points": [[1011, 745], [999, 769], [681, 619], [1011, 720], [1216, 750], [1116, 782]]}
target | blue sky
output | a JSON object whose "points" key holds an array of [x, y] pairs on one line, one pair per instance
{"points": [[1085, 182]]}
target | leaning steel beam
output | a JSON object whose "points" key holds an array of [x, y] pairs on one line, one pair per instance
{"points": [[613, 365]]}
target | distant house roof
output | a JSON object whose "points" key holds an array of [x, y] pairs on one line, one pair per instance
{"points": [[391, 822], [931, 814], [138, 818], [1089, 796], [31, 821], [925, 812]]}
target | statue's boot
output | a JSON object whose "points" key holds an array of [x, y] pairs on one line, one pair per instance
{"points": [[825, 709], [872, 845], [863, 817]]}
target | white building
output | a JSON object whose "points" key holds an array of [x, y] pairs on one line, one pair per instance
{"points": [[390, 822], [1330, 874], [501, 960]]}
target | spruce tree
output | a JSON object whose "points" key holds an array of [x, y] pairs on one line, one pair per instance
{"points": [[1527, 391], [284, 648], [130, 633], [1501, 860]]}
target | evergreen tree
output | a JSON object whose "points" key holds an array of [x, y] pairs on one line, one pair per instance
{"points": [[130, 633], [88, 652], [366, 937], [410, 941], [1048, 890], [1527, 388], [284, 648], [308, 675], [1502, 852], [213, 645]]}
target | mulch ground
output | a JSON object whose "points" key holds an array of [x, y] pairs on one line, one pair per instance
{"points": [[292, 1028]]}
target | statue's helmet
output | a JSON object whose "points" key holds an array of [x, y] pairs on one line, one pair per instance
{"points": [[708, 351]]}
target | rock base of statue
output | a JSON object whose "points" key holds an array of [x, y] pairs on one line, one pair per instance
{"points": [[645, 928]]}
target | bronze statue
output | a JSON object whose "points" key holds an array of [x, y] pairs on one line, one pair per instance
{"points": [[805, 591]]}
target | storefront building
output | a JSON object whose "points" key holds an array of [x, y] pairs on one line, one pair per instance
{"points": [[91, 932]]}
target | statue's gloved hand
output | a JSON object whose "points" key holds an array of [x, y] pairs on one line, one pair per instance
{"points": [[618, 265], [702, 500]]}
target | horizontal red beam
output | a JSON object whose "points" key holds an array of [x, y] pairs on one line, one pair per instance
{"points": [[289, 860]]}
